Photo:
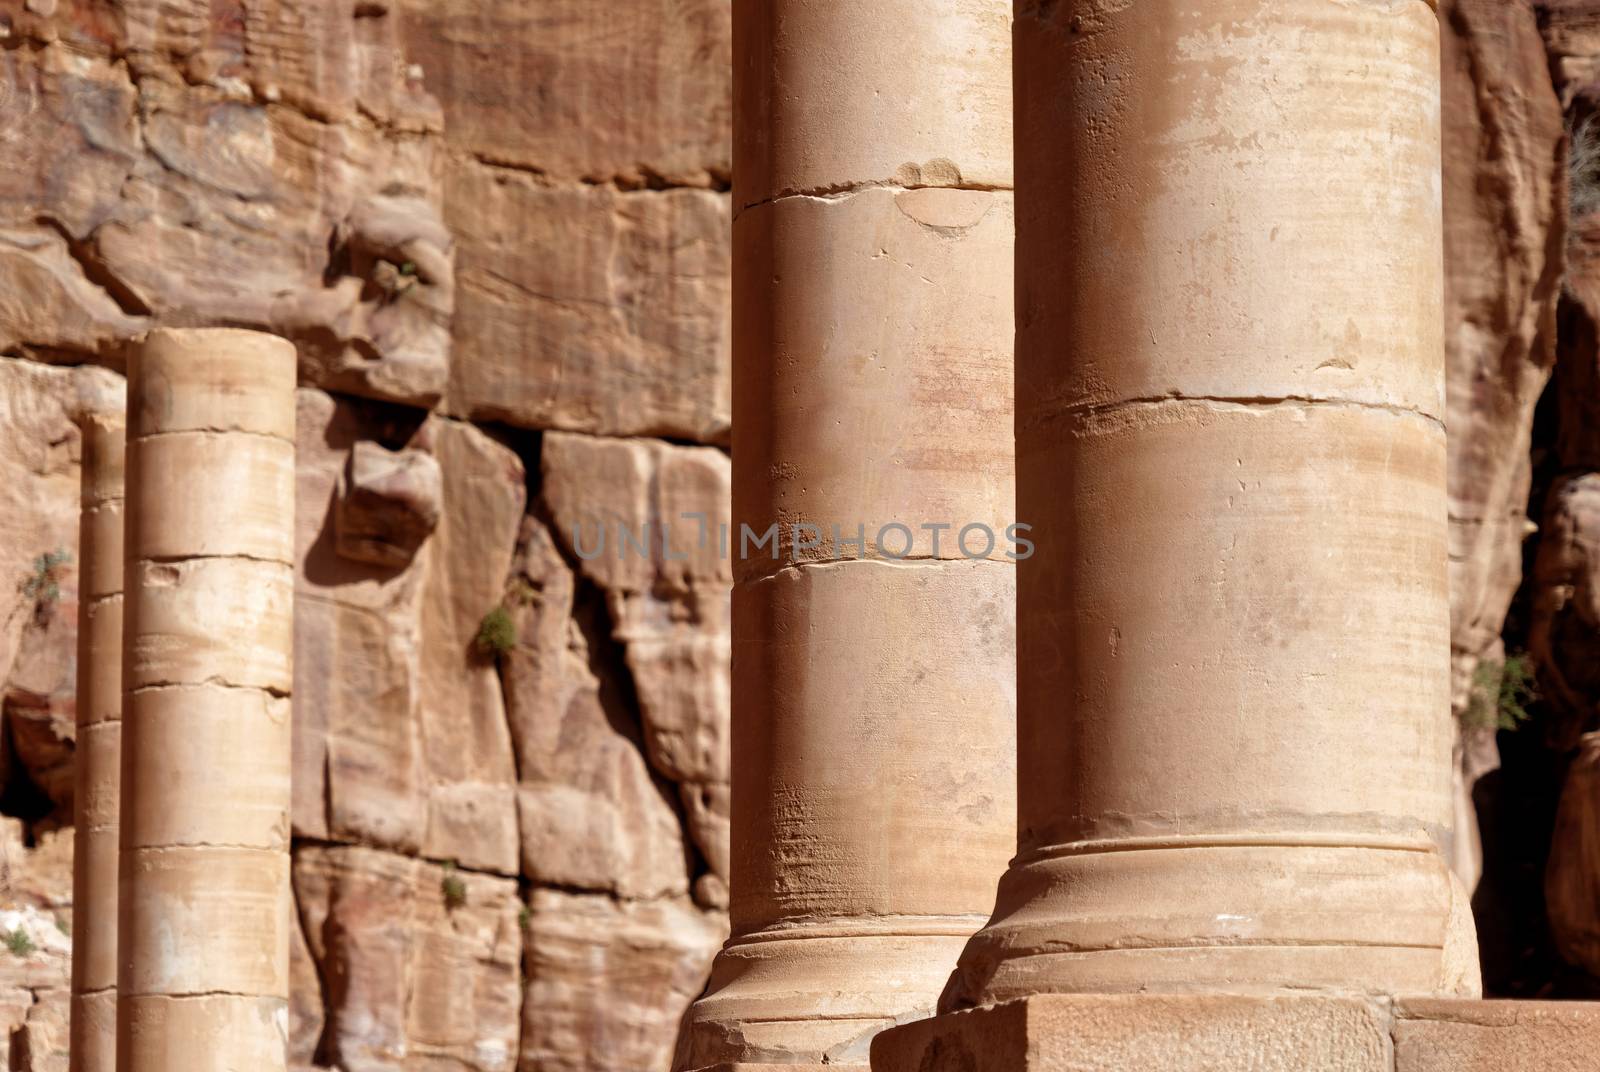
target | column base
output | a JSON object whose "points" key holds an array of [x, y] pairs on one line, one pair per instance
{"points": [[818, 997], [1227, 1033]]}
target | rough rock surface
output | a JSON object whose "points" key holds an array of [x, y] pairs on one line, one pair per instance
{"points": [[593, 816], [1522, 173], [35, 970], [1504, 204], [586, 148], [609, 980], [1504, 209], [419, 962], [663, 512], [620, 297], [460, 212]]}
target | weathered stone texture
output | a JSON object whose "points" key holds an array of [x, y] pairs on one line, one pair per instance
{"points": [[593, 816], [510, 214], [1494, 1036], [270, 167], [465, 739], [664, 512], [1504, 213], [34, 998], [590, 308], [419, 962], [634, 93], [1572, 882], [1504, 219], [358, 744], [608, 981], [586, 144], [1208, 1033]]}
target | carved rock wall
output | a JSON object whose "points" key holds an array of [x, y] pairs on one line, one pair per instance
{"points": [[498, 235], [1522, 185]]}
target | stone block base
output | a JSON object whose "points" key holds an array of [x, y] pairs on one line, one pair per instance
{"points": [[1227, 1033]]}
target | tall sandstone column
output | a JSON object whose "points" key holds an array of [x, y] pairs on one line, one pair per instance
{"points": [[98, 769], [1234, 701], [873, 672], [205, 894]]}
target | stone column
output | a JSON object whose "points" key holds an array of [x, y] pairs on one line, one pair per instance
{"points": [[1235, 700], [873, 673], [205, 895], [98, 755]]}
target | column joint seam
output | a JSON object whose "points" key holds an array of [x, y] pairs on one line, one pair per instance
{"points": [[1084, 411], [844, 190], [907, 561]]}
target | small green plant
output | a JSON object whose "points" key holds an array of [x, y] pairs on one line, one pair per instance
{"points": [[453, 888], [20, 942], [1501, 693], [408, 278], [525, 917], [497, 633], [43, 583], [64, 925]]}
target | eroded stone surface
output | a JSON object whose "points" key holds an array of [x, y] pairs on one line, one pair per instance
{"points": [[665, 574], [419, 962], [592, 815], [200, 181], [636, 92], [1503, 220], [466, 744], [608, 981], [590, 309]]}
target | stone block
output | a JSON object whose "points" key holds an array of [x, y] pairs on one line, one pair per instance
{"points": [[1136, 1033], [1496, 1036], [590, 309], [1235, 1033]]}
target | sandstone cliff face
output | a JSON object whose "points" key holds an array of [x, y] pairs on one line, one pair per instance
{"points": [[479, 223], [1521, 170]]}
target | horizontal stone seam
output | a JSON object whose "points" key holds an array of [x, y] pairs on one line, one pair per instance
{"points": [[545, 179], [94, 991], [768, 938], [844, 190], [1033, 13], [178, 560], [895, 918], [217, 433], [212, 682], [106, 597], [908, 562], [192, 995], [819, 1018], [1073, 849], [1057, 946], [277, 848], [308, 841], [643, 438], [1090, 410]]}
